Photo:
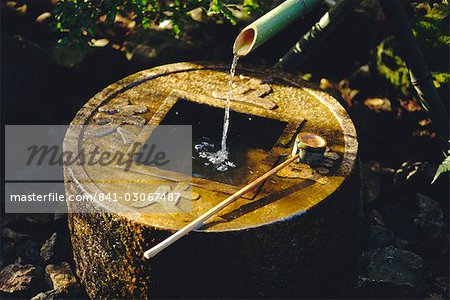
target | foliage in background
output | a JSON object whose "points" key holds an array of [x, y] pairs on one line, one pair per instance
{"points": [[430, 25], [443, 167], [77, 20]]}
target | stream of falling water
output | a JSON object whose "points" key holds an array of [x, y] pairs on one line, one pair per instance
{"points": [[226, 118], [220, 158]]}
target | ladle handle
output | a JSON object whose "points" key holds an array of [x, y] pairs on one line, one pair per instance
{"points": [[198, 222]]}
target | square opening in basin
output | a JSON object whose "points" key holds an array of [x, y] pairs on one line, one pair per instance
{"points": [[250, 138]]}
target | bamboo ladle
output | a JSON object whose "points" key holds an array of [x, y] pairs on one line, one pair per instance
{"points": [[198, 222], [308, 148]]}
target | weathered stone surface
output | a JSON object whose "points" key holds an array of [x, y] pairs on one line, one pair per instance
{"points": [[305, 172], [113, 106], [129, 110], [435, 296], [251, 91], [48, 249], [123, 107], [392, 273], [61, 276], [326, 162], [16, 278], [322, 170], [48, 295], [53, 294], [101, 131], [429, 220], [331, 155], [119, 120], [118, 112], [284, 221], [441, 284], [127, 136]]}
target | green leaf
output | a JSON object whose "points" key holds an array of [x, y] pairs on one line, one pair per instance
{"points": [[178, 29], [443, 167], [392, 66], [228, 14], [62, 42], [430, 25], [75, 18]]}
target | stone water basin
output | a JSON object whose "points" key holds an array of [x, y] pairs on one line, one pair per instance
{"points": [[286, 239]]}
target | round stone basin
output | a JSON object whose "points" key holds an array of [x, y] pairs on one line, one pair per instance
{"points": [[299, 223]]}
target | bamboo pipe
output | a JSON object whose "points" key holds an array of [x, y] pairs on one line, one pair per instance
{"points": [[270, 24], [309, 42], [197, 223], [419, 73]]}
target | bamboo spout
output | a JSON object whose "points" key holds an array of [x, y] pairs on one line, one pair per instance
{"points": [[270, 24]]}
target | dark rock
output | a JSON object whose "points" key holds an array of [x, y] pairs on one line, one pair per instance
{"points": [[18, 278], [375, 218], [14, 235], [28, 252], [67, 56], [392, 273], [371, 183], [429, 220], [48, 249], [8, 250], [48, 295], [64, 284], [61, 276], [399, 217], [54, 294], [402, 244], [379, 236], [441, 284], [7, 219], [435, 297], [60, 216], [39, 218]]}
